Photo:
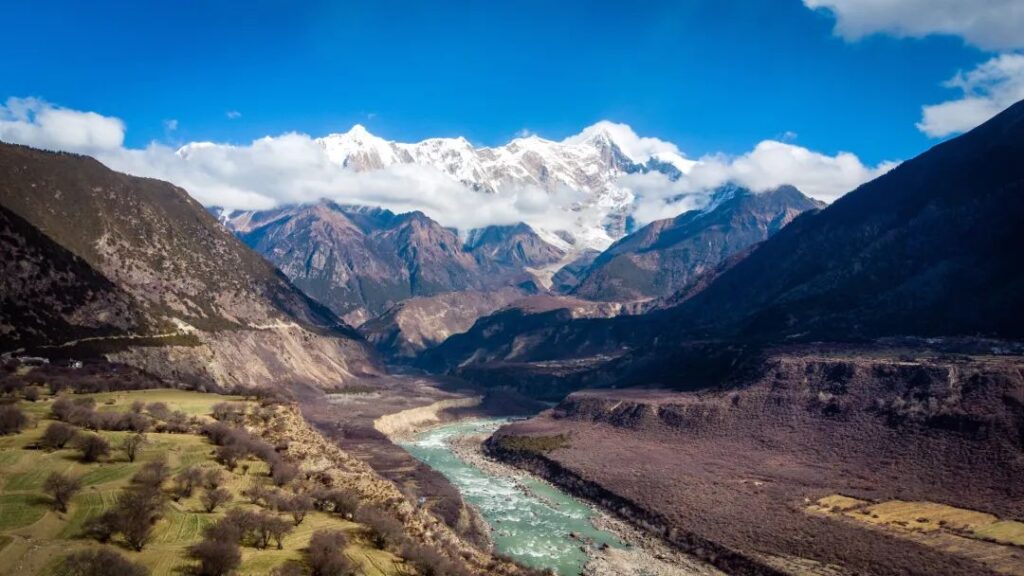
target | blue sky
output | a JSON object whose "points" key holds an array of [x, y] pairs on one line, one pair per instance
{"points": [[714, 76]]}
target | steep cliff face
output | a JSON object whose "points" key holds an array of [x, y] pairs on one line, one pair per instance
{"points": [[803, 423], [666, 256]]}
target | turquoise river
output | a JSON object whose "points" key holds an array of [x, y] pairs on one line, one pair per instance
{"points": [[530, 520]]}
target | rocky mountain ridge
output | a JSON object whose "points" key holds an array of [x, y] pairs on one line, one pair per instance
{"points": [[362, 261], [168, 269], [590, 162]]}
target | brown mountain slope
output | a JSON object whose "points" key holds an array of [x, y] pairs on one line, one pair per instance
{"points": [[161, 248], [667, 255], [46, 290], [363, 261]]}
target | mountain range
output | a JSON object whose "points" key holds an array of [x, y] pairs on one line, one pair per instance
{"points": [[361, 261], [589, 164], [924, 250]]}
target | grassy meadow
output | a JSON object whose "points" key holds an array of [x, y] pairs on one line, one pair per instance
{"points": [[34, 537]]}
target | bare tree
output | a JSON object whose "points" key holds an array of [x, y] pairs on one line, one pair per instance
{"points": [[132, 445], [92, 446], [278, 529], [57, 435], [12, 420], [216, 557], [325, 554], [283, 472], [99, 562], [61, 488], [211, 499], [213, 478], [298, 506], [186, 481]]}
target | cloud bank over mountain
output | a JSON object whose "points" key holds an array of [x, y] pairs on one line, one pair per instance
{"points": [[595, 172]]}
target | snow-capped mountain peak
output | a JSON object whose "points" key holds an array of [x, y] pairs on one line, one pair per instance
{"points": [[589, 163]]}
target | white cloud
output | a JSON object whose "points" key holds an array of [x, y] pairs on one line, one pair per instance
{"points": [[171, 125], [295, 168], [769, 165], [637, 148], [37, 123], [233, 114], [986, 90], [989, 24]]}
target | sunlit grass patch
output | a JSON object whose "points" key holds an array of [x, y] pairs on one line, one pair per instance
{"points": [[19, 510], [1004, 532]]}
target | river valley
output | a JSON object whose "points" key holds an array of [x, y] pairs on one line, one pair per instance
{"points": [[534, 522]]}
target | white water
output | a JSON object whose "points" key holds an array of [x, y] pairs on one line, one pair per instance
{"points": [[530, 520]]}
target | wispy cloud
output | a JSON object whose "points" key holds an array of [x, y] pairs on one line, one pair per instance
{"points": [[985, 91], [233, 114], [988, 24], [171, 125]]}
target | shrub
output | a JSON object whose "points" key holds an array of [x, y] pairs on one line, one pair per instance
{"points": [[137, 510], [211, 499], [325, 554], [255, 492], [340, 502], [132, 445], [385, 531], [57, 435], [103, 527], [213, 478], [61, 488], [430, 562], [12, 420], [282, 472], [31, 393], [229, 455], [92, 446], [215, 557], [158, 410], [64, 406], [153, 474], [99, 562], [298, 506], [186, 481]]}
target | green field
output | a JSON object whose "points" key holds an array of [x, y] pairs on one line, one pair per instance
{"points": [[34, 537]]}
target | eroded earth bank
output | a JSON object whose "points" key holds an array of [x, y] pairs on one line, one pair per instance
{"points": [[819, 460]]}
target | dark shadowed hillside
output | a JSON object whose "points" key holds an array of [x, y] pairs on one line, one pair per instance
{"points": [[46, 290], [152, 239], [931, 248]]}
